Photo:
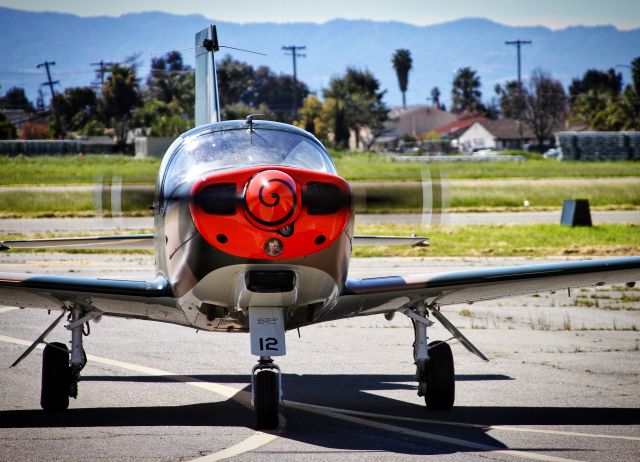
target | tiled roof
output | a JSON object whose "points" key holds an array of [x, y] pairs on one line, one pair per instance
{"points": [[459, 125]]}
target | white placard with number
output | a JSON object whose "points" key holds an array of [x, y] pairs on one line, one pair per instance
{"points": [[266, 328]]}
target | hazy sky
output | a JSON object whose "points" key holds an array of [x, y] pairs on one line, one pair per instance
{"points": [[624, 14]]}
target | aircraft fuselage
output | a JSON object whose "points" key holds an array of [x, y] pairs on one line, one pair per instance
{"points": [[251, 217]]}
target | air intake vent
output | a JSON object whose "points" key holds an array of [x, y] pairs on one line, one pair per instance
{"points": [[324, 198], [268, 282], [218, 199]]}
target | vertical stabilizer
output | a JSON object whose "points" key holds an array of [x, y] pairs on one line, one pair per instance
{"points": [[207, 101]]}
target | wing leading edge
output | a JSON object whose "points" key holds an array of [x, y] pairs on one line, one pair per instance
{"points": [[152, 300], [385, 294], [129, 241]]}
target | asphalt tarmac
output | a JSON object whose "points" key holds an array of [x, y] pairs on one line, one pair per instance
{"points": [[561, 384]]}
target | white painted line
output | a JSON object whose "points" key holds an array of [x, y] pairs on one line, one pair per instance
{"points": [[257, 440], [8, 308], [260, 439], [432, 436], [250, 444], [485, 427]]}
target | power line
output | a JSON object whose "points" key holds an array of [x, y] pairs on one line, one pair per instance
{"points": [[518, 44], [292, 50]]}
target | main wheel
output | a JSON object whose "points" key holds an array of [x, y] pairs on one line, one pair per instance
{"points": [[266, 399], [440, 377], [56, 376]]}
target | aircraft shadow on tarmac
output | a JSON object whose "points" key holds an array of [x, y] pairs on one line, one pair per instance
{"points": [[348, 392]]}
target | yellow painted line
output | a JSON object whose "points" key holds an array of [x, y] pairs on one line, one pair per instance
{"points": [[484, 427]]}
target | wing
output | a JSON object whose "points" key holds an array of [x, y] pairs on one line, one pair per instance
{"points": [[115, 297], [130, 241], [390, 240], [385, 294]]}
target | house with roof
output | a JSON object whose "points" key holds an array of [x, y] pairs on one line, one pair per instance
{"points": [[412, 120], [501, 134]]}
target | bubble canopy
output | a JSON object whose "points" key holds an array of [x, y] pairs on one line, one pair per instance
{"points": [[209, 151]]}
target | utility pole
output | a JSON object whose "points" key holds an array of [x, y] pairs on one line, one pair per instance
{"points": [[518, 44], [103, 68], [50, 83], [293, 52], [40, 100]]}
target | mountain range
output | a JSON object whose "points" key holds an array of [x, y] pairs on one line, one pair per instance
{"points": [[73, 43]]}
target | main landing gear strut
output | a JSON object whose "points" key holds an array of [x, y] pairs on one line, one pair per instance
{"points": [[61, 367], [434, 363]]}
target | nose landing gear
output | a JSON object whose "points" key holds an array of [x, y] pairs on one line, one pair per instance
{"points": [[266, 330], [266, 388]]}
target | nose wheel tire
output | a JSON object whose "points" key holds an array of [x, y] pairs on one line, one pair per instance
{"points": [[266, 399], [440, 377], [56, 377]]}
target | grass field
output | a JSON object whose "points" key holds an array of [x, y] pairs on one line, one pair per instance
{"points": [[357, 166], [73, 169], [543, 240], [59, 170]]}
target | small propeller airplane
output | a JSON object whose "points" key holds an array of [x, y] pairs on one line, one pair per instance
{"points": [[253, 233]]}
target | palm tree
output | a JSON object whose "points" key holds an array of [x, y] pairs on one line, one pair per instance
{"points": [[465, 92], [402, 64]]}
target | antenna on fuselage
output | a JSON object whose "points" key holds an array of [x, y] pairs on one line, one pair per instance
{"points": [[207, 100]]}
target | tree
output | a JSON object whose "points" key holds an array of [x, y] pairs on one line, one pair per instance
{"points": [[402, 63], [277, 92], [120, 95], [311, 118], [75, 108], [7, 129], [545, 105], [354, 102], [465, 92], [171, 81], [541, 104], [435, 97], [588, 109], [635, 74], [600, 82], [512, 99], [614, 114], [15, 98], [238, 82], [598, 102], [235, 82], [239, 111]]}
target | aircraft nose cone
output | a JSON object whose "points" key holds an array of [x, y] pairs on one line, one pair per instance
{"points": [[272, 199]]}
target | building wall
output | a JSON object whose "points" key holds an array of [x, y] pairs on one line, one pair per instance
{"points": [[476, 137]]}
